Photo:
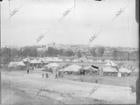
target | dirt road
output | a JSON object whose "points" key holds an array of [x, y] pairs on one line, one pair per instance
{"points": [[12, 95], [35, 89]]}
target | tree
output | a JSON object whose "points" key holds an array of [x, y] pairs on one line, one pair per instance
{"points": [[52, 52], [61, 52], [68, 53], [92, 52], [97, 52], [29, 51], [115, 56], [41, 53], [5, 55], [14, 52], [79, 55], [120, 55], [134, 55]]}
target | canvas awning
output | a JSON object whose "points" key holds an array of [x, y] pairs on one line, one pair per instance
{"points": [[35, 61], [52, 65], [110, 63], [72, 68], [16, 64], [124, 70], [109, 69]]}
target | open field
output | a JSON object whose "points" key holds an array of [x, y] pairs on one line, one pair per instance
{"points": [[109, 80], [19, 88], [16, 90], [12, 95]]}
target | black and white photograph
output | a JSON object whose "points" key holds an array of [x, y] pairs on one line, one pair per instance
{"points": [[67, 52]]}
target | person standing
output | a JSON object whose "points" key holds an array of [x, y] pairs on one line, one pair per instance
{"points": [[28, 66], [42, 75]]}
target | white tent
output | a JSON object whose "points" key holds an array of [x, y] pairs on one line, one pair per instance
{"points": [[136, 70], [124, 70], [76, 60], [20, 64], [84, 59], [12, 64], [72, 68], [67, 60], [26, 60], [113, 64], [35, 61], [109, 69], [87, 67], [52, 65], [90, 60], [110, 63], [41, 60], [106, 61], [16, 64], [45, 60]]}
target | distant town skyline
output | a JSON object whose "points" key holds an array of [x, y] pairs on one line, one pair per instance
{"points": [[38, 17]]}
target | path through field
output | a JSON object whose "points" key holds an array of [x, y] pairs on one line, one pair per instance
{"points": [[20, 88]]}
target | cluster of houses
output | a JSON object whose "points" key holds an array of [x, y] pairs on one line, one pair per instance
{"points": [[55, 65]]}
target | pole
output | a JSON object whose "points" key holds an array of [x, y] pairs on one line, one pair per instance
{"points": [[0, 53], [138, 79]]}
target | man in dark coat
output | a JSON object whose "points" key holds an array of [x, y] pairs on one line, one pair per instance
{"points": [[28, 67]]}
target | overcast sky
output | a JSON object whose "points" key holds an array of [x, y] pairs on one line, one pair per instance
{"points": [[37, 17]]}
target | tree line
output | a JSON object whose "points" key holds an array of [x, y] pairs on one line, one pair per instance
{"points": [[9, 54]]}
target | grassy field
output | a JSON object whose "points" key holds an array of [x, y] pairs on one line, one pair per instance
{"points": [[20, 88], [12, 95], [109, 80]]}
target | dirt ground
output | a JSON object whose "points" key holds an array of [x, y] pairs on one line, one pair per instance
{"points": [[12, 95], [19, 88], [108, 80], [16, 93]]}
